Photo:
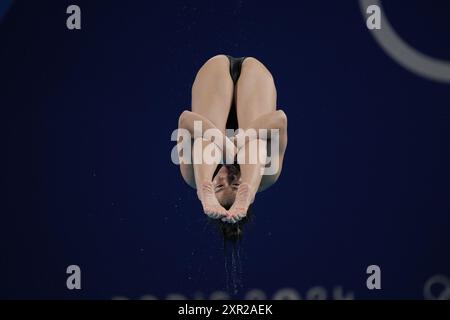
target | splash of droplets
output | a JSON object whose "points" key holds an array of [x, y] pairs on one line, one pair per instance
{"points": [[233, 268]]}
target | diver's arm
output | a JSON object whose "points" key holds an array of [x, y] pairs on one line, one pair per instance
{"points": [[269, 121], [187, 172], [273, 120], [187, 120]]}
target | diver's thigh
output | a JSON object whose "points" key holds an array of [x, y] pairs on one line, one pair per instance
{"points": [[255, 92], [212, 91]]}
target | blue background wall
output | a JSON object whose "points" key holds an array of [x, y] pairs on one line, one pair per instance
{"points": [[86, 119]]}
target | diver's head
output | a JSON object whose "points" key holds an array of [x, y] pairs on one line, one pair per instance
{"points": [[226, 183], [233, 232]]}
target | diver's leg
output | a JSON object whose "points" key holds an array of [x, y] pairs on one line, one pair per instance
{"points": [[212, 91], [255, 96], [203, 172], [212, 94], [252, 158]]}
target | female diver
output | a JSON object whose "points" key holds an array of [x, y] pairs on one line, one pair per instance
{"points": [[232, 93]]}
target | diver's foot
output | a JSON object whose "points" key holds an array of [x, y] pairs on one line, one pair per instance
{"points": [[211, 207], [238, 210]]}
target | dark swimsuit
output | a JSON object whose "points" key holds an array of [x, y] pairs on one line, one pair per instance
{"points": [[235, 72]]}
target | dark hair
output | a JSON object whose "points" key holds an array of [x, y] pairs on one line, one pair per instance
{"points": [[233, 232], [233, 168]]}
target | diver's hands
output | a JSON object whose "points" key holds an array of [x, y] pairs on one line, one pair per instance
{"points": [[238, 211], [207, 196]]}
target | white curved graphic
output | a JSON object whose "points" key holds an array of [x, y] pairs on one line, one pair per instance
{"points": [[410, 58], [437, 288]]}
